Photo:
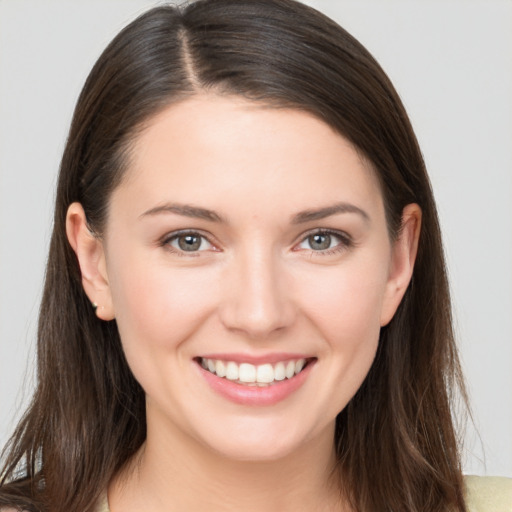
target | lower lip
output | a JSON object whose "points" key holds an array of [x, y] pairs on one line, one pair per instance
{"points": [[255, 395]]}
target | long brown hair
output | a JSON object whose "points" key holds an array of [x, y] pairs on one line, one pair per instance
{"points": [[396, 444]]}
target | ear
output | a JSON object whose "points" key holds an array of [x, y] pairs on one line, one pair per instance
{"points": [[403, 257], [91, 258]]}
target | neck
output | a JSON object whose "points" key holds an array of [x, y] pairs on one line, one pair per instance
{"points": [[172, 472]]}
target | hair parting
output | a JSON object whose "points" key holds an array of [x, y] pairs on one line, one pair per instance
{"points": [[396, 444]]}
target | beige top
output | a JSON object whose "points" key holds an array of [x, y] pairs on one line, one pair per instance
{"points": [[484, 494], [489, 494]]}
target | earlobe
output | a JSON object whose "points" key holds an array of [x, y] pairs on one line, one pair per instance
{"points": [[91, 258], [404, 251]]}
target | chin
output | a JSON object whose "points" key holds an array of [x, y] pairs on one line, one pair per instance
{"points": [[252, 451], [258, 440]]}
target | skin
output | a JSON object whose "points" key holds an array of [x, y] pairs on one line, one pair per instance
{"points": [[256, 286]]}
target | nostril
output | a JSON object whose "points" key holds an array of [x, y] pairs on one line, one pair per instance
{"points": [[256, 320], [257, 300]]}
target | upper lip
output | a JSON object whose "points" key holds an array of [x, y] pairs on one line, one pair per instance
{"points": [[271, 358]]}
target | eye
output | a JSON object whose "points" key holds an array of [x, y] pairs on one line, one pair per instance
{"points": [[187, 241], [319, 241], [325, 242]]}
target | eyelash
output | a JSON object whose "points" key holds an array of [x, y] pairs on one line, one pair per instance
{"points": [[168, 239], [345, 242]]}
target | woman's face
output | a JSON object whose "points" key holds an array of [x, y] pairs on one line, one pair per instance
{"points": [[251, 241]]}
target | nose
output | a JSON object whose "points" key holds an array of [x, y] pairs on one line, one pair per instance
{"points": [[257, 296]]}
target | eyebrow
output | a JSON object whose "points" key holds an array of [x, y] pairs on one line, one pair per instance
{"points": [[327, 211], [310, 215], [186, 210]]}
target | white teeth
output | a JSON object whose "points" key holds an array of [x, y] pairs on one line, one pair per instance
{"points": [[251, 375], [265, 373], [232, 371], [279, 371], [290, 369], [220, 368], [247, 372]]}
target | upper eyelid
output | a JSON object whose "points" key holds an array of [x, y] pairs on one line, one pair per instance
{"points": [[169, 237], [326, 231], [346, 243], [181, 232], [343, 235]]}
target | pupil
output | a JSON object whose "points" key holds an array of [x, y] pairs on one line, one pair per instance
{"points": [[189, 242], [320, 242]]}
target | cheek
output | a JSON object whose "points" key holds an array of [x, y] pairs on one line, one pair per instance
{"points": [[158, 307], [158, 311], [347, 315], [346, 303]]}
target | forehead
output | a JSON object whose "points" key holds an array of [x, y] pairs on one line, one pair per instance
{"points": [[215, 148]]}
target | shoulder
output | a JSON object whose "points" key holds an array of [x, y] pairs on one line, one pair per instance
{"points": [[488, 493], [103, 504]]}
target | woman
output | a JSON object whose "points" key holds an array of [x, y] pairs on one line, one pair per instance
{"points": [[245, 282]]}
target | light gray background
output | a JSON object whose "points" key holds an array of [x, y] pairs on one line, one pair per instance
{"points": [[450, 60]]}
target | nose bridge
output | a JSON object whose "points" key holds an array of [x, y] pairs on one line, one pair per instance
{"points": [[257, 298]]}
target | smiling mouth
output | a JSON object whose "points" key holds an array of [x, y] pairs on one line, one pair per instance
{"points": [[247, 374]]}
